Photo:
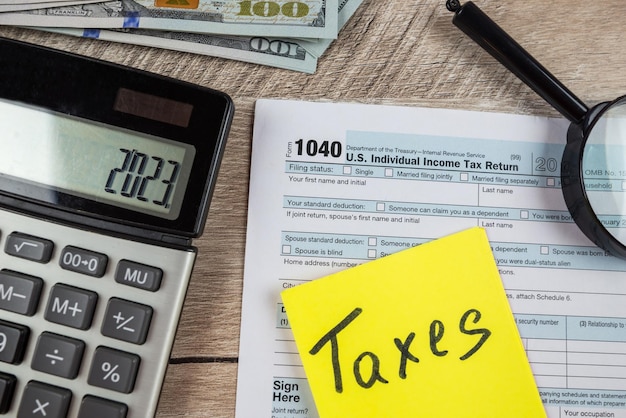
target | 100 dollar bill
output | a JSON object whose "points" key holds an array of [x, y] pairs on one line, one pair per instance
{"points": [[15, 6], [346, 9], [287, 54], [276, 18], [291, 54]]}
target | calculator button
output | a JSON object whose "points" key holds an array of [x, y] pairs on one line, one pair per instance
{"points": [[29, 247], [92, 406], [127, 321], [13, 339], [83, 261], [114, 369], [19, 293], [7, 387], [71, 306], [41, 400], [138, 275], [58, 355]]}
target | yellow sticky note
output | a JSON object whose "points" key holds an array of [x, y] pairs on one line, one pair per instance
{"points": [[426, 332]]}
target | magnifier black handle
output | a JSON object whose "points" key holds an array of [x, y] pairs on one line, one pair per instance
{"points": [[493, 39]]}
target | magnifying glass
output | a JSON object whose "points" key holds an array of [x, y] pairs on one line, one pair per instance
{"points": [[593, 168]]}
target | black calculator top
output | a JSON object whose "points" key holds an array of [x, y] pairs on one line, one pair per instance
{"points": [[108, 147]]}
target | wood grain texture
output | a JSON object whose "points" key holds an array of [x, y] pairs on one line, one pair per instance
{"points": [[391, 52]]}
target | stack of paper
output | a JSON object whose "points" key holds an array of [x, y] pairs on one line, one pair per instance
{"points": [[285, 34], [372, 182]]}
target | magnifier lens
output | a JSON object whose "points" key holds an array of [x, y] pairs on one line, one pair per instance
{"points": [[604, 169], [595, 188]]}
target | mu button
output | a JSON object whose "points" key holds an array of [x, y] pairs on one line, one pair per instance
{"points": [[139, 275]]}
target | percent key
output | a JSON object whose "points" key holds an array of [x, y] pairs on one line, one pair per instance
{"points": [[114, 369]]}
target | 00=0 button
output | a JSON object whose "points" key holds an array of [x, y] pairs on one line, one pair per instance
{"points": [[83, 261]]}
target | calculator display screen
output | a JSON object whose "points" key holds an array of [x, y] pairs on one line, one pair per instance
{"points": [[118, 167]]}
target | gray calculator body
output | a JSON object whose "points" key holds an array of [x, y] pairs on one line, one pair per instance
{"points": [[166, 303], [96, 247]]}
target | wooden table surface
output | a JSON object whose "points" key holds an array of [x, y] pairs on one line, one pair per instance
{"points": [[392, 52]]}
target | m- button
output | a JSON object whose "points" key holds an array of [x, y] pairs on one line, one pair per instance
{"points": [[19, 292]]}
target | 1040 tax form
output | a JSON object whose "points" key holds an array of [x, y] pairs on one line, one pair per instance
{"points": [[336, 185]]}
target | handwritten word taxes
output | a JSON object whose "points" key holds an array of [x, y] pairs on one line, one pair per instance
{"points": [[438, 348]]}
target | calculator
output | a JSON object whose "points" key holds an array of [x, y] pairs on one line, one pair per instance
{"points": [[106, 175]]}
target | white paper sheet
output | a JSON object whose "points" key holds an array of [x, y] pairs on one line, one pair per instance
{"points": [[336, 185]]}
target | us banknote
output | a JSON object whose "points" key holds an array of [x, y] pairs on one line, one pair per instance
{"points": [[274, 52], [17, 6], [287, 53], [42, 3], [346, 9], [315, 19]]}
